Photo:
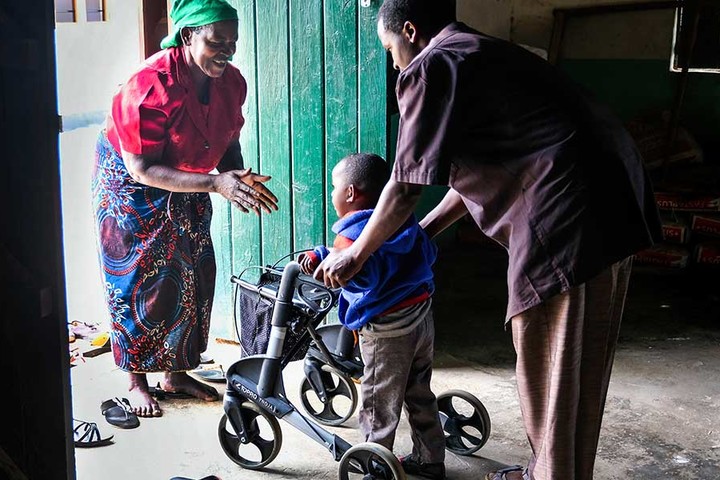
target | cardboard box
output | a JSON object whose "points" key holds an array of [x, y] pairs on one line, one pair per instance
{"points": [[706, 225], [651, 138], [663, 255], [675, 232], [708, 253], [706, 202]]}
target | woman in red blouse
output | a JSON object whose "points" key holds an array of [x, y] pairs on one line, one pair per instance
{"points": [[176, 120]]}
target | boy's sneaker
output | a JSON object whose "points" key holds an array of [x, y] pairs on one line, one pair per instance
{"points": [[433, 471], [378, 471]]}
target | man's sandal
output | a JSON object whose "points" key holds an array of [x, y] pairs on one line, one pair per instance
{"points": [[502, 473]]}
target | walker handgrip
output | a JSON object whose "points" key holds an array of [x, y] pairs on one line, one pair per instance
{"points": [[281, 314], [287, 285], [316, 307]]}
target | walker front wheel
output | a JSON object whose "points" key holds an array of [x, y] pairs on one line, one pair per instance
{"points": [[342, 398], [263, 432], [370, 459], [465, 421]]}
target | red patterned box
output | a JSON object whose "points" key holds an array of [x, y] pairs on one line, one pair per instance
{"points": [[663, 256], [674, 232], [708, 253], [687, 201], [706, 225]]}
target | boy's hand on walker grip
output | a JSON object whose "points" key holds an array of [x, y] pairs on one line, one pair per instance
{"points": [[308, 264]]}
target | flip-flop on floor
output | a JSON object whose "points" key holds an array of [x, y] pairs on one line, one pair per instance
{"points": [[213, 375], [119, 413]]}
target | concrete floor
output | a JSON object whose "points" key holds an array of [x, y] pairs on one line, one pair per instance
{"points": [[662, 417]]}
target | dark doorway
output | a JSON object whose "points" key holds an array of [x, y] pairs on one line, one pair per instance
{"points": [[34, 360], [154, 26]]}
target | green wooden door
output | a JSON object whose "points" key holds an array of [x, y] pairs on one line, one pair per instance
{"points": [[316, 77]]}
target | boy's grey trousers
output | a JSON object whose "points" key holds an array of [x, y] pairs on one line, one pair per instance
{"points": [[398, 355]]}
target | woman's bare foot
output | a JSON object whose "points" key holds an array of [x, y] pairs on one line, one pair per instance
{"points": [[182, 382], [144, 405]]}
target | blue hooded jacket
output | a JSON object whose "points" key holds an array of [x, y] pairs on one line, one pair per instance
{"points": [[399, 270]]}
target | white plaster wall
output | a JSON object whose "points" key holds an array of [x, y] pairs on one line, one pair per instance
{"points": [[529, 22], [492, 17], [93, 58]]}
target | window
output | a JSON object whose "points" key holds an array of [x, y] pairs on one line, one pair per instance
{"points": [[64, 11], [705, 55], [95, 10]]}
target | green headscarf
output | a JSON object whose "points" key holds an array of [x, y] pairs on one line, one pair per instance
{"points": [[196, 13]]}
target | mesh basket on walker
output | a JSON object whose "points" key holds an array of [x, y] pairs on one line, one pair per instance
{"points": [[255, 322]]}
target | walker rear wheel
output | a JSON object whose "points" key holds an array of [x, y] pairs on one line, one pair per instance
{"points": [[465, 421], [370, 459], [264, 433], [342, 398]]}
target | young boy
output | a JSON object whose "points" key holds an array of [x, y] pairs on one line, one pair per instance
{"points": [[389, 304]]}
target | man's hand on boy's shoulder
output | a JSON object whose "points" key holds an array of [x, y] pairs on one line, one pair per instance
{"points": [[336, 270]]}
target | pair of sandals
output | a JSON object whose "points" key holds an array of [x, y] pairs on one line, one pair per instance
{"points": [[117, 412]]}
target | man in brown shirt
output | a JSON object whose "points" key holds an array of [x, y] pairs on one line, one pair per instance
{"points": [[545, 171]]}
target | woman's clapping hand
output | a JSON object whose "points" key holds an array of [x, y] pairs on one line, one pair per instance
{"points": [[246, 191]]}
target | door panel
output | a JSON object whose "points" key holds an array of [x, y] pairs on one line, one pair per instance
{"points": [[372, 81], [316, 92], [245, 229], [274, 122], [340, 86], [307, 122]]}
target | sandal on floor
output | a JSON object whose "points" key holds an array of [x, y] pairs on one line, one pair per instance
{"points": [[211, 477], [82, 329], [502, 473], [160, 394], [213, 375], [87, 435], [119, 413]]}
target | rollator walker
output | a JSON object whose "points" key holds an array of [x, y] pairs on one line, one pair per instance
{"points": [[255, 398]]}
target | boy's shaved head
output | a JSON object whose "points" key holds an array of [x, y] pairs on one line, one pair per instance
{"points": [[367, 171]]}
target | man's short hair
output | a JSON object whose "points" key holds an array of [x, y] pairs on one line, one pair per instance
{"points": [[429, 16], [367, 171]]}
